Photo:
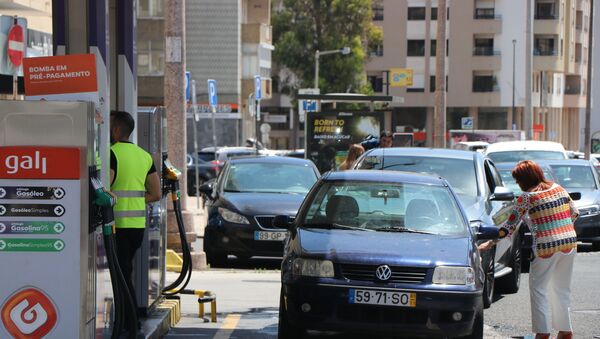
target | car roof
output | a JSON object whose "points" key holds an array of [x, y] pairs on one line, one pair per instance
{"points": [[384, 176], [521, 145], [424, 152], [269, 159]]}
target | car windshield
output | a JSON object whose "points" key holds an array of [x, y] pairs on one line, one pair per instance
{"points": [[516, 156], [460, 173], [511, 183], [254, 177], [386, 207], [206, 156], [574, 176]]}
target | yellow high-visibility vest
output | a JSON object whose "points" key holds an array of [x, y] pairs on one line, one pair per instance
{"points": [[133, 164]]}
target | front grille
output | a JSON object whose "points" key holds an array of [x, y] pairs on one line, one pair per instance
{"points": [[266, 221], [382, 315], [400, 275]]}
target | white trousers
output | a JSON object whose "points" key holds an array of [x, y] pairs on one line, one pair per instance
{"points": [[550, 292]]}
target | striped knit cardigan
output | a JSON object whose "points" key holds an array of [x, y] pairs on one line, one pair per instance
{"points": [[551, 215]]}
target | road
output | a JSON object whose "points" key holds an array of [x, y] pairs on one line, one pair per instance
{"points": [[248, 298]]}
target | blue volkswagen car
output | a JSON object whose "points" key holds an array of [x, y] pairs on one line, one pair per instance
{"points": [[382, 252]]}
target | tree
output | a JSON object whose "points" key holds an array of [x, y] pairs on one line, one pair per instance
{"points": [[300, 27]]}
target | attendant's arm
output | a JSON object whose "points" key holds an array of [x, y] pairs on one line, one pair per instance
{"points": [[152, 187]]}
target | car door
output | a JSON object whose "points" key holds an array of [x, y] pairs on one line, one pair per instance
{"points": [[498, 211]]}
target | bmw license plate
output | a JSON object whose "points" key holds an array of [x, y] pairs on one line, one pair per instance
{"points": [[381, 297], [269, 236]]}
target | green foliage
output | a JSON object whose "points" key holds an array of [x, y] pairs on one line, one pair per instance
{"points": [[301, 27]]}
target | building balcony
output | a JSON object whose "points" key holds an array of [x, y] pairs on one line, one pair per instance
{"points": [[574, 100], [257, 34], [548, 26], [547, 63]]}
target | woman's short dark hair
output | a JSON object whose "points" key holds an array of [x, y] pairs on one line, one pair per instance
{"points": [[123, 120], [528, 174], [386, 134]]}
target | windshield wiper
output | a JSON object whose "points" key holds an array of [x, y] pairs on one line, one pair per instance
{"points": [[337, 226], [401, 229]]}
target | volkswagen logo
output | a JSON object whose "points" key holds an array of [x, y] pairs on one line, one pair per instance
{"points": [[383, 272]]}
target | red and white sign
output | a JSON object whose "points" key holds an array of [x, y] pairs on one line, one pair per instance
{"points": [[39, 162], [65, 74], [16, 45], [29, 313]]}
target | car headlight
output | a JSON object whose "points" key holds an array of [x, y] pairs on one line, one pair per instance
{"points": [[233, 217], [448, 275], [589, 210], [313, 268]]}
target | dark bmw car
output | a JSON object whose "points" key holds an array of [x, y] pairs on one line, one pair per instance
{"points": [[576, 176], [388, 253], [247, 195], [481, 192]]}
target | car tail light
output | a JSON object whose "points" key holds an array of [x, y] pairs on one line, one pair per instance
{"points": [[215, 166]]}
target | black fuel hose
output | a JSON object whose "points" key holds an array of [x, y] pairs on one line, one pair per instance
{"points": [[186, 268]]}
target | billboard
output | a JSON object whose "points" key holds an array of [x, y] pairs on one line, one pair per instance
{"points": [[329, 135]]}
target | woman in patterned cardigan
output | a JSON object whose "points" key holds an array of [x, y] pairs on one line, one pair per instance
{"points": [[549, 212]]}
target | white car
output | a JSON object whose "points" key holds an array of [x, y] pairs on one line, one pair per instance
{"points": [[515, 151]]}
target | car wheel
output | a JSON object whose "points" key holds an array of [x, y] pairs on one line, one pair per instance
{"points": [[285, 329], [488, 285], [510, 283], [212, 257]]}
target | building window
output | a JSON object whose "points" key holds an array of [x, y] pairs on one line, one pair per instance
{"points": [[484, 82], [433, 48], [377, 10], [545, 10], [150, 57], [416, 13], [433, 13], [376, 83], [573, 84], [492, 118], [578, 52], [485, 13], [150, 8], [483, 45], [376, 50], [544, 45], [415, 48], [579, 20]]}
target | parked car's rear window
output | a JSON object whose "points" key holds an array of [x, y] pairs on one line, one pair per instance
{"points": [[516, 156], [269, 178]]}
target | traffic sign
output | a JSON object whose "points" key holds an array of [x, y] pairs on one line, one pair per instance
{"points": [[188, 76], [466, 123], [16, 45], [257, 87], [212, 92]]}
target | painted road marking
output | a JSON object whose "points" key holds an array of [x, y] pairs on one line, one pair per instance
{"points": [[229, 325]]}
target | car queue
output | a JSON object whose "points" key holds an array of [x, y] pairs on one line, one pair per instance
{"points": [[376, 250]]}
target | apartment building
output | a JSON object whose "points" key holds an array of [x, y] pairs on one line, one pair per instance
{"points": [[483, 37], [226, 40]]}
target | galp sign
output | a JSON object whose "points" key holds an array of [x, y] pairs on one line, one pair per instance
{"points": [[38, 162]]}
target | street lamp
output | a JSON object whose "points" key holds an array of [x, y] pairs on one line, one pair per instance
{"points": [[514, 114], [344, 51]]}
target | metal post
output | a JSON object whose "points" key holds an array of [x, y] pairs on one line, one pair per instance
{"points": [[213, 109], [387, 82], [439, 114], [588, 98], [528, 114], [514, 114], [316, 69], [195, 158], [16, 70]]}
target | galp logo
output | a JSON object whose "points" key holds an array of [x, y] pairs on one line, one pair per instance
{"points": [[38, 162], [29, 313]]}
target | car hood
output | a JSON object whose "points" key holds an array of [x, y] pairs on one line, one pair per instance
{"points": [[588, 196], [263, 203], [394, 248]]}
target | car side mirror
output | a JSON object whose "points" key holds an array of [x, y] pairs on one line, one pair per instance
{"points": [[282, 221], [485, 232], [206, 188], [575, 195], [502, 193]]}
